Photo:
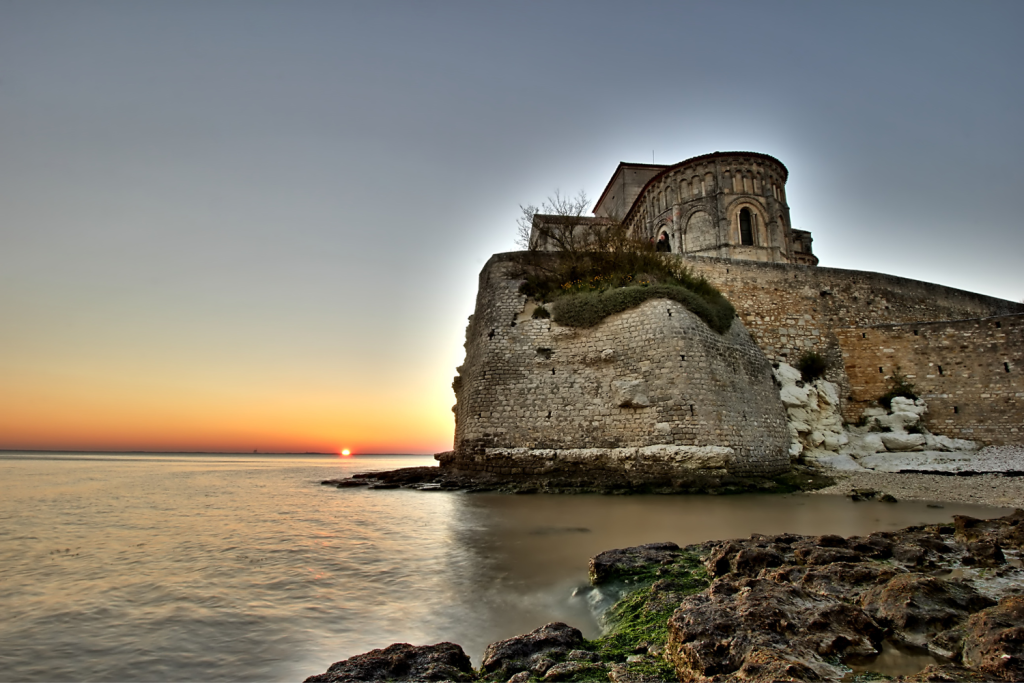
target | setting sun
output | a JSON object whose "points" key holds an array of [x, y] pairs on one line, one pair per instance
{"points": [[345, 452]]}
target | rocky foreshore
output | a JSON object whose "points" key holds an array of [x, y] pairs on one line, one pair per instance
{"points": [[769, 608], [798, 478]]}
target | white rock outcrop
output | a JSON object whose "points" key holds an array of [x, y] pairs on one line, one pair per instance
{"points": [[887, 439], [812, 409]]}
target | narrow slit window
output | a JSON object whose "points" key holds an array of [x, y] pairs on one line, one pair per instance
{"points": [[940, 369], [746, 229], [1006, 366]]}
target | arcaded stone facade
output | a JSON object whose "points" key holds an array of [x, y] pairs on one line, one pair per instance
{"points": [[648, 392], [725, 204]]}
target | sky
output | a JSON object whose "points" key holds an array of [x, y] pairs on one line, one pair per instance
{"points": [[235, 225]]}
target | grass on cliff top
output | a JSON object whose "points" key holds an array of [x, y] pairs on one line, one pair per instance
{"points": [[585, 288], [589, 309]]}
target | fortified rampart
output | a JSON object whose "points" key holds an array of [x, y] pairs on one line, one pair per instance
{"points": [[644, 395], [870, 325], [790, 308], [652, 393], [971, 373]]}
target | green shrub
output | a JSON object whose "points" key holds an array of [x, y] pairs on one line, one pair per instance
{"points": [[589, 309], [898, 386], [612, 274], [811, 365], [541, 312]]}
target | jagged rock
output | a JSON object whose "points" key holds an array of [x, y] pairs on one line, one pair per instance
{"points": [[860, 445], [614, 564], [918, 605], [897, 422], [352, 483], [786, 374], [783, 607], [833, 441], [878, 545], [984, 553], [901, 404], [568, 670], [901, 441], [825, 556], [794, 397], [828, 392], [582, 656], [744, 558], [841, 580], [834, 461], [760, 630], [1007, 532], [937, 442], [930, 461], [994, 640], [812, 412], [520, 653], [402, 662]]}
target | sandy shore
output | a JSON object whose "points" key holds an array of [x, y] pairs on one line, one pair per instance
{"points": [[992, 488], [983, 489]]}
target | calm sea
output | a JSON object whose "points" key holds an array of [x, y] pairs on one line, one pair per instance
{"points": [[237, 567]]}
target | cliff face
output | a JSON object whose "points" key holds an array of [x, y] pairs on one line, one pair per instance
{"points": [[649, 394]]}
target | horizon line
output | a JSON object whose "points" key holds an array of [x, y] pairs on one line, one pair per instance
{"points": [[74, 450]]}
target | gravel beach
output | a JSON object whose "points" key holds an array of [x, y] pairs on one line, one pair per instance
{"points": [[991, 488]]}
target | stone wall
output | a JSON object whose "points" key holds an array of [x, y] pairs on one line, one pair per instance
{"points": [[790, 309], [532, 394], [970, 372]]}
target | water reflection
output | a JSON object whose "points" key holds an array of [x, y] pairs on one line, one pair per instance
{"points": [[530, 552], [153, 568], [894, 660]]}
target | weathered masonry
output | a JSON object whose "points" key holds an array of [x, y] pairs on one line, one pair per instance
{"points": [[647, 394], [652, 393], [871, 325], [725, 204], [971, 372]]}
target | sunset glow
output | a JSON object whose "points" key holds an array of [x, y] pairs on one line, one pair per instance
{"points": [[345, 452]]}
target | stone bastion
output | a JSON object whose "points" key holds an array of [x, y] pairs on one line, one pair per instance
{"points": [[649, 395]]}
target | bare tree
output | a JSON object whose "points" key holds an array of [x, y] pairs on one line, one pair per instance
{"points": [[524, 226], [559, 223]]}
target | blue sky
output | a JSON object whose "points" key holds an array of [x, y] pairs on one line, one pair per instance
{"points": [[242, 224]]}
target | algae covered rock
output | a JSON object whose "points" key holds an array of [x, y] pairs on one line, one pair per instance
{"points": [[533, 651]]}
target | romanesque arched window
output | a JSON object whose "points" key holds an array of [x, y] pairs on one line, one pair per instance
{"points": [[746, 227], [663, 242]]}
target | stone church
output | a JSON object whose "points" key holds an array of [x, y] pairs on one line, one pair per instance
{"points": [[652, 393], [724, 204]]}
